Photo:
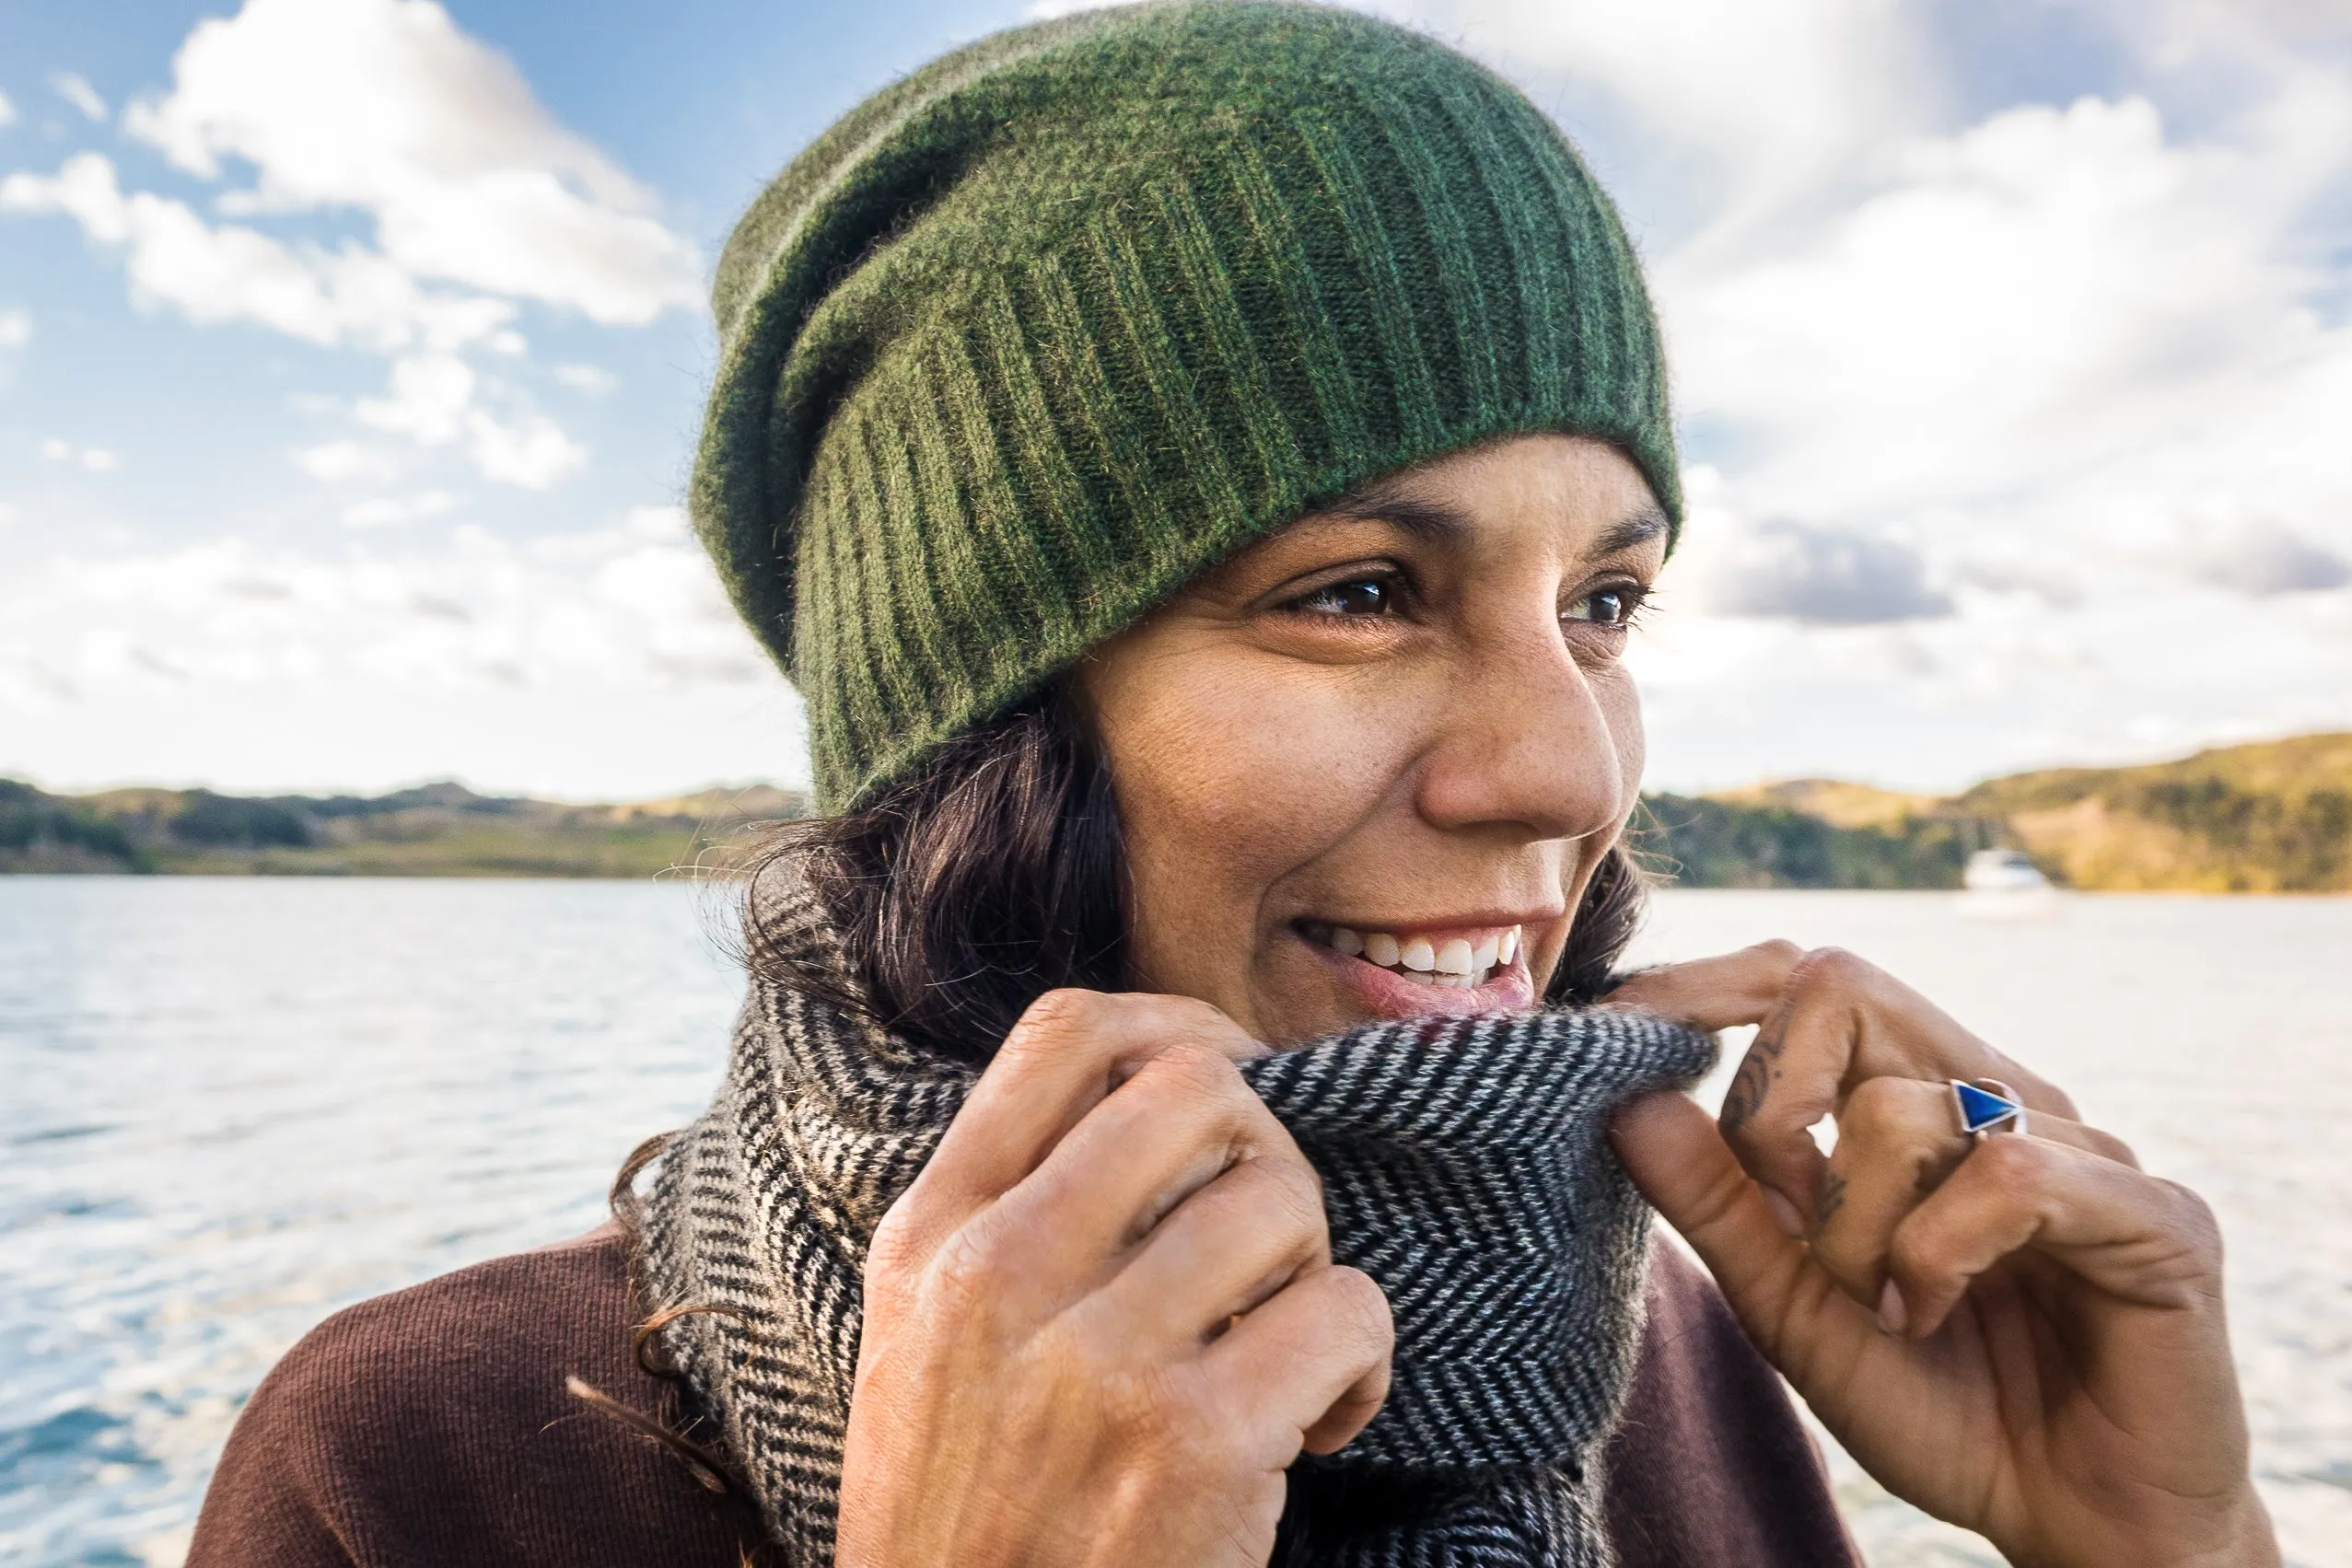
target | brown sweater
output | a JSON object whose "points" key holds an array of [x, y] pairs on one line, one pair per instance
{"points": [[432, 1427]]}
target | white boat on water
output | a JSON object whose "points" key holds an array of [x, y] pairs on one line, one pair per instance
{"points": [[2003, 871], [2005, 883]]}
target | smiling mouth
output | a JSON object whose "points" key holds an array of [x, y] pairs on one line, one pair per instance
{"points": [[1460, 960]]}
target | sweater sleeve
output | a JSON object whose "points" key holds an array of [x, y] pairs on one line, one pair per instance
{"points": [[1711, 1467], [272, 1496], [433, 1426]]}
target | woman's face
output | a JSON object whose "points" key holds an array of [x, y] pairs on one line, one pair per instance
{"points": [[1366, 768]]}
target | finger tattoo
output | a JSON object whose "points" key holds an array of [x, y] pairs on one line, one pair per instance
{"points": [[1746, 1096], [1833, 1198]]}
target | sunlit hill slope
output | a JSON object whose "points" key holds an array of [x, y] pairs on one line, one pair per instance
{"points": [[2269, 817]]}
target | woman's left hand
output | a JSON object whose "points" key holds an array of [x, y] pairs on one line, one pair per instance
{"points": [[2022, 1335]]}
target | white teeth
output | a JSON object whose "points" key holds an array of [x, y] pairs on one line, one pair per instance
{"points": [[1452, 961]]}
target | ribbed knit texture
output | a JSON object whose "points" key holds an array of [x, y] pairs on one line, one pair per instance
{"points": [[1031, 337], [1464, 1168]]}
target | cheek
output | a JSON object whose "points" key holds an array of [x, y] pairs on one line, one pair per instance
{"points": [[1620, 702], [1226, 782]]}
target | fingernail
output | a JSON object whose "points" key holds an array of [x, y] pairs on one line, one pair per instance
{"points": [[1784, 1213], [1894, 1316]]}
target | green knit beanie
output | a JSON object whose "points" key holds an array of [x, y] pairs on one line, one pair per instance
{"points": [[1033, 337]]}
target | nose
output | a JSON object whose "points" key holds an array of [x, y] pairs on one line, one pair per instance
{"points": [[1528, 744]]}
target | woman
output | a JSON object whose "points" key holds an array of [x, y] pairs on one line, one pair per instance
{"points": [[1199, 464]]}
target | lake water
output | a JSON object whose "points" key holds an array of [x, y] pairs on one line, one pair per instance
{"points": [[229, 1107]]}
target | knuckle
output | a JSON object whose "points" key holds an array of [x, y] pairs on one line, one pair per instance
{"points": [[974, 1264], [1877, 1110], [1189, 1071], [1056, 1017], [2013, 1161], [1833, 968], [895, 1251], [1780, 950], [1288, 1191], [2195, 1219], [1359, 1309], [1190, 1014], [2107, 1145]]}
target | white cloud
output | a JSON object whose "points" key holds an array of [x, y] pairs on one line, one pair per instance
{"points": [[2047, 290], [385, 106], [338, 461], [76, 89], [478, 201], [532, 452], [617, 607], [384, 510], [349, 297], [1997, 421], [1778, 98], [16, 329], [429, 397], [593, 379], [96, 459], [7, 112], [432, 401]]}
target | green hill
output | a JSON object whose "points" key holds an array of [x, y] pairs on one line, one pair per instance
{"points": [[2270, 818], [442, 830], [1714, 842]]}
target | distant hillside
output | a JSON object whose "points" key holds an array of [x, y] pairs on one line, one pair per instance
{"points": [[2269, 817], [441, 830], [2273, 817], [1741, 841]]}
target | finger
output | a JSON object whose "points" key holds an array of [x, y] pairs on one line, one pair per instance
{"points": [[1898, 1139], [2142, 1241], [1720, 993], [1180, 1120], [1226, 1250], [1313, 1361], [1795, 1313], [1843, 1022], [1058, 1062]]}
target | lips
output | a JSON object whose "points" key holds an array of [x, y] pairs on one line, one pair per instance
{"points": [[1461, 959], [1407, 973]]}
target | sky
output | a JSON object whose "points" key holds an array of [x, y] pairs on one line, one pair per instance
{"points": [[352, 353]]}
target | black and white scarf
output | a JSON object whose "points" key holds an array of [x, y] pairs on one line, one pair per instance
{"points": [[1464, 1168]]}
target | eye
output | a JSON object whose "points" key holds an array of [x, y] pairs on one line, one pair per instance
{"points": [[1614, 604], [1372, 594]]}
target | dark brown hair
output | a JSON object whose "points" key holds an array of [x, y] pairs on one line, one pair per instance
{"points": [[996, 874]]}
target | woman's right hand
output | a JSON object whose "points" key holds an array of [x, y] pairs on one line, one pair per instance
{"points": [[1104, 1321]]}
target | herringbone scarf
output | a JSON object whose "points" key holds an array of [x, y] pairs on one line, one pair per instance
{"points": [[1464, 1168]]}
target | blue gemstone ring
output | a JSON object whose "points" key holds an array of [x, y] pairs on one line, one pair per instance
{"points": [[1983, 1111]]}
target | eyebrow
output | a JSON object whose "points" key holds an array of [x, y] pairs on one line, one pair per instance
{"points": [[1648, 524], [1433, 520], [1423, 519]]}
